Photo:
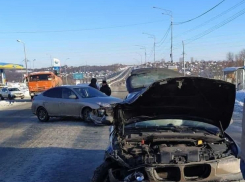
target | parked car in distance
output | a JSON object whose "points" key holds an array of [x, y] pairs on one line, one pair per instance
{"points": [[2, 86], [11, 93], [72, 101]]}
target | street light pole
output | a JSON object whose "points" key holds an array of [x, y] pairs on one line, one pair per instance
{"points": [[33, 64], [25, 55], [142, 47], [136, 60], [183, 56], [140, 57], [50, 59], [171, 38], [154, 37], [145, 54], [171, 47], [169, 13], [66, 71]]}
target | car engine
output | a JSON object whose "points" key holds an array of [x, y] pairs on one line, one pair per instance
{"points": [[171, 152]]}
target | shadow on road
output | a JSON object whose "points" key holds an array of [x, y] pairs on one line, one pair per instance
{"points": [[24, 116], [48, 164], [18, 100]]}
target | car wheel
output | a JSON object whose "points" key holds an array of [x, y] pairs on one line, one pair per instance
{"points": [[85, 113], [101, 172], [2, 98], [42, 115]]}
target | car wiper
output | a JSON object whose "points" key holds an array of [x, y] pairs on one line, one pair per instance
{"points": [[140, 118]]}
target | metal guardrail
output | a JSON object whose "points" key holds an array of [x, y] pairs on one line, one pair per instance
{"points": [[127, 72], [117, 76]]}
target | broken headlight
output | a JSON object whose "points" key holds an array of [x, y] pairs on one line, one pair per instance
{"points": [[231, 165]]}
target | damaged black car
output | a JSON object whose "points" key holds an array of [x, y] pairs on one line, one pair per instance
{"points": [[173, 130]]}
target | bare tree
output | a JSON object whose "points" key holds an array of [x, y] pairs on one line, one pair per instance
{"points": [[242, 55], [230, 56]]}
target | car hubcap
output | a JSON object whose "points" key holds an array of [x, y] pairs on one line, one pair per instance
{"points": [[42, 114]]}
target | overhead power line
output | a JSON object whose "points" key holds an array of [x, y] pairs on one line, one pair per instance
{"points": [[150, 55], [79, 30], [214, 18], [165, 34], [165, 37], [221, 24], [212, 29], [179, 23]]}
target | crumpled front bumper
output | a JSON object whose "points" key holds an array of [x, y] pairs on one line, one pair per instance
{"points": [[100, 120], [179, 173], [102, 116]]}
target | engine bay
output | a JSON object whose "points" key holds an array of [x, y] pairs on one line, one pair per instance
{"points": [[171, 151]]}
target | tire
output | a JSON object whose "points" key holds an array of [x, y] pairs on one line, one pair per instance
{"points": [[42, 115], [85, 113], [2, 98], [101, 172]]}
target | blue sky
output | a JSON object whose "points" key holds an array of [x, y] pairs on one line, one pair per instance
{"points": [[105, 45]]}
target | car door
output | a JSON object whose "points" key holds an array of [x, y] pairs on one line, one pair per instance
{"points": [[52, 101], [69, 105]]}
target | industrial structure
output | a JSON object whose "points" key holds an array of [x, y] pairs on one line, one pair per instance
{"points": [[235, 75], [4, 66]]}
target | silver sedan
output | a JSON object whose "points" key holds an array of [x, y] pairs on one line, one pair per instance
{"points": [[74, 101]]}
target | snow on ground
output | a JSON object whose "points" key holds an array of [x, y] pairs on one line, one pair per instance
{"points": [[4, 104], [26, 93]]}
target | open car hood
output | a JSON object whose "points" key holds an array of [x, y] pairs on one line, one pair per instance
{"points": [[189, 98]]}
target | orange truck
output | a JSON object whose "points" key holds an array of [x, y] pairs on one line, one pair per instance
{"points": [[39, 82]]}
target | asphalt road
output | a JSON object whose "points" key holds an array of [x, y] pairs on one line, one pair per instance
{"points": [[60, 150]]}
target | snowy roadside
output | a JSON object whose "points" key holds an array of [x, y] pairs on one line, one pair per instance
{"points": [[240, 95], [4, 104]]}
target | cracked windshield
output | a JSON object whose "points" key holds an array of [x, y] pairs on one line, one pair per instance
{"points": [[122, 91]]}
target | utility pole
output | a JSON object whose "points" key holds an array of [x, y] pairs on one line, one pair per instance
{"points": [[66, 74], [25, 55], [169, 13], [154, 45], [143, 47], [171, 38], [50, 59], [33, 64], [66, 70], [140, 57], [243, 74], [183, 56]]}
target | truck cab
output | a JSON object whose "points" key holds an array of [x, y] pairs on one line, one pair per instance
{"points": [[39, 82]]}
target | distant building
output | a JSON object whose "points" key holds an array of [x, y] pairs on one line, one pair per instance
{"points": [[192, 59]]}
